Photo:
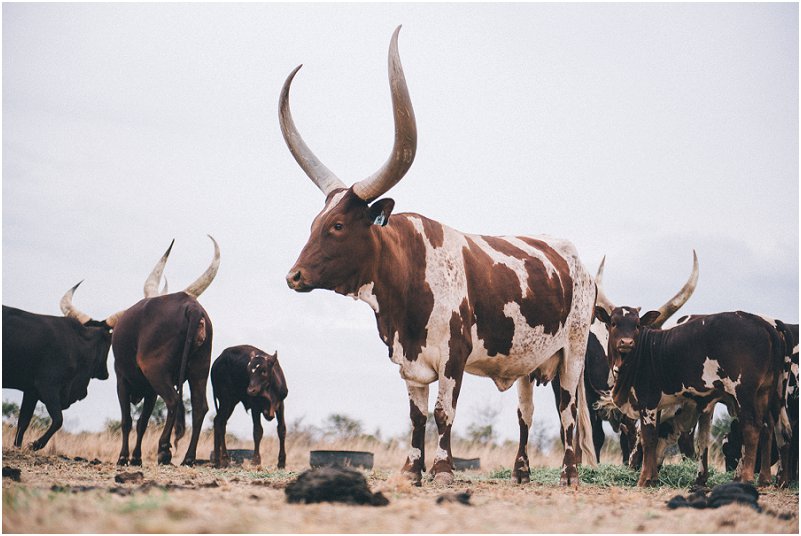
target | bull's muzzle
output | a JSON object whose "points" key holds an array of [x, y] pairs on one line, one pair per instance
{"points": [[296, 281], [625, 345]]}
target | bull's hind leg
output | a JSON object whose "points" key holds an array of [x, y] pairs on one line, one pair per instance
{"points": [[258, 433], [418, 413], [125, 419], [570, 372], [281, 429], [198, 375], [765, 444], [141, 426], [525, 412], [52, 401], [702, 438]]}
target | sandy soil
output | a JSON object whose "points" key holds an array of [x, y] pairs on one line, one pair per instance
{"points": [[60, 494]]}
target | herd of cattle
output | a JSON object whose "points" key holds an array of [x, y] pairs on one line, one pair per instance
{"points": [[517, 309]]}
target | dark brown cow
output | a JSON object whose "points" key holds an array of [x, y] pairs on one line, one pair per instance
{"points": [[735, 358], [248, 375], [158, 343], [446, 302], [598, 378], [52, 359]]}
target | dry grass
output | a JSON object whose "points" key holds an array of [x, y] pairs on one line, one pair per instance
{"points": [[59, 494]]}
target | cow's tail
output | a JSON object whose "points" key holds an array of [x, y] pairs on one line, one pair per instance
{"points": [[783, 429], [585, 426], [195, 335]]}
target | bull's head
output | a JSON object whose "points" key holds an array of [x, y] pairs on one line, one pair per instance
{"points": [[345, 230], [264, 380], [99, 330], [623, 324]]}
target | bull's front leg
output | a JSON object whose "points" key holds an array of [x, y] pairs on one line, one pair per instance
{"points": [[648, 438], [570, 373], [418, 413], [444, 413], [702, 437], [525, 411]]}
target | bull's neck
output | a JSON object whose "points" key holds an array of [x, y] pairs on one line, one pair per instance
{"points": [[641, 373]]}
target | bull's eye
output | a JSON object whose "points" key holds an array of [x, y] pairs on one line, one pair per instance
{"points": [[338, 226], [264, 373], [614, 324]]}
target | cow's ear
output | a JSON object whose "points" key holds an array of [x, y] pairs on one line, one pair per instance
{"points": [[649, 318], [602, 315], [380, 210]]}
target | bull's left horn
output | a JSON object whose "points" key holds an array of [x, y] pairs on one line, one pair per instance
{"points": [[69, 310], [600, 298], [320, 175], [203, 282], [673, 305], [405, 146], [152, 282]]}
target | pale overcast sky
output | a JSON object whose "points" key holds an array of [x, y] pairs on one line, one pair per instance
{"points": [[638, 131]]}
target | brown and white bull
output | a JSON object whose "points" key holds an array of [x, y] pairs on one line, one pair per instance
{"points": [[447, 302]]}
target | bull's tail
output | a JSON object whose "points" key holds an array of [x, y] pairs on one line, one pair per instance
{"points": [[195, 333], [585, 426]]}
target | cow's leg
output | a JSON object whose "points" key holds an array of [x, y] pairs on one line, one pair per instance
{"points": [[258, 433], [141, 426], [198, 375], [224, 413], [162, 385], [751, 422], [418, 413], [570, 373], [125, 419], [525, 413], [25, 415], [444, 413], [279, 417], [648, 437], [598, 435], [703, 439], [765, 444], [52, 401]]}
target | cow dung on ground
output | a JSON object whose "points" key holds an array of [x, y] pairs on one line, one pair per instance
{"points": [[333, 484], [722, 494], [13, 473]]}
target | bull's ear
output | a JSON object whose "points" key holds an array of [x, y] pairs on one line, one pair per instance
{"points": [[380, 210], [649, 318], [602, 315]]}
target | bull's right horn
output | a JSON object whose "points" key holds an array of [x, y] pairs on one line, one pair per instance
{"points": [[673, 305], [69, 310], [203, 282], [152, 281], [600, 298]]}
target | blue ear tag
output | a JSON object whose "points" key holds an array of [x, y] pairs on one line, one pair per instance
{"points": [[380, 220]]}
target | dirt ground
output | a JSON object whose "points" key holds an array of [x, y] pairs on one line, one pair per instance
{"points": [[57, 493]]}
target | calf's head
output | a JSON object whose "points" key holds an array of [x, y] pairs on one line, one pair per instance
{"points": [[264, 381], [344, 233], [624, 325]]}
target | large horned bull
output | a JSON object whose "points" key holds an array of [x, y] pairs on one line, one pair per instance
{"points": [[158, 343], [447, 302]]}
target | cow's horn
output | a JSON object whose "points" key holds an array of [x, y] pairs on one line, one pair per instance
{"points": [[405, 145], [203, 282], [673, 305], [320, 175], [69, 310], [152, 281], [601, 298], [166, 287]]}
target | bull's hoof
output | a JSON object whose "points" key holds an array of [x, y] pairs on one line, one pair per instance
{"points": [[647, 482], [522, 477], [281, 464], [123, 460], [164, 457], [256, 460], [764, 482], [443, 479], [189, 462], [569, 477], [136, 461], [38, 444], [414, 477]]}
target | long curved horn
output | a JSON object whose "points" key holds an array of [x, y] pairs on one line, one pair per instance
{"points": [[601, 298], [673, 305], [405, 146], [69, 310], [164, 290], [320, 175], [203, 282], [152, 281]]}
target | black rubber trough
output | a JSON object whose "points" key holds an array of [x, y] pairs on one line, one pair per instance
{"points": [[343, 458], [464, 464]]}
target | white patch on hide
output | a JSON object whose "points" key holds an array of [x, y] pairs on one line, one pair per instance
{"points": [[365, 293]]}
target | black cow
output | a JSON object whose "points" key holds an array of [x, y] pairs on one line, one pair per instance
{"points": [[52, 359], [736, 358], [597, 379], [160, 342], [248, 375]]}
